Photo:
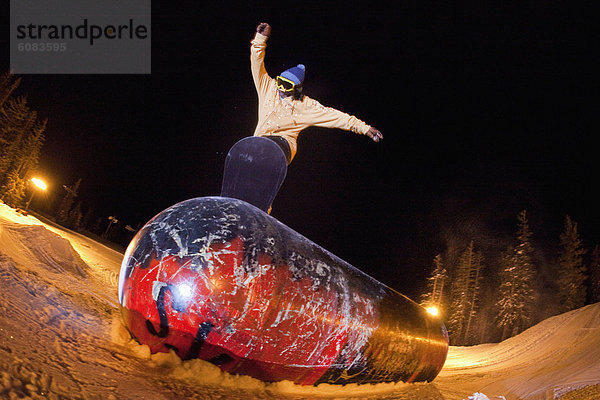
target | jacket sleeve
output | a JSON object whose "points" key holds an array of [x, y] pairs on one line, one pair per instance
{"points": [[257, 63], [328, 117]]}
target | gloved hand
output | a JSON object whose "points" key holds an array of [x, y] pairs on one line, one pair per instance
{"points": [[374, 134], [264, 29]]}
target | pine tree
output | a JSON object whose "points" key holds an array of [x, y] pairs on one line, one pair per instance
{"points": [[595, 275], [474, 295], [21, 139], [14, 117], [86, 222], [62, 214], [31, 148], [571, 277], [517, 296], [436, 284], [465, 295], [75, 216], [13, 190], [7, 86]]}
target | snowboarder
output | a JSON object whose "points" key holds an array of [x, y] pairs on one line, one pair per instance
{"points": [[255, 167], [284, 111]]}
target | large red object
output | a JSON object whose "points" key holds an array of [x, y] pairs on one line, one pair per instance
{"points": [[218, 279]]}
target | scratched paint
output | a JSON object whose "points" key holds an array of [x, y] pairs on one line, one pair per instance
{"points": [[218, 279]]}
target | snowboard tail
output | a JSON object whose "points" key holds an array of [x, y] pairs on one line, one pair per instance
{"points": [[255, 169]]}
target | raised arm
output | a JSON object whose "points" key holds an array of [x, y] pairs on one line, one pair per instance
{"points": [[257, 57]]}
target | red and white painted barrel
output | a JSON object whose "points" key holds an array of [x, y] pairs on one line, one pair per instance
{"points": [[218, 279]]}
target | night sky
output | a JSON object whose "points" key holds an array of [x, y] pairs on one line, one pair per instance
{"points": [[486, 110]]}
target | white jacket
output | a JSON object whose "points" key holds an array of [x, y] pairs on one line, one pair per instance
{"points": [[287, 116]]}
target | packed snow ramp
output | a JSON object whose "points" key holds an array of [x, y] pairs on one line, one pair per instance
{"points": [[558, 355]]}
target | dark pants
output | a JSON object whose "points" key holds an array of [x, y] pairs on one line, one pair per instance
{"points": [[285, 146]]}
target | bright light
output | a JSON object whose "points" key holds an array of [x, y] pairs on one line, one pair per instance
{"points": [[185, 290], [433, 311], [39, 183]]}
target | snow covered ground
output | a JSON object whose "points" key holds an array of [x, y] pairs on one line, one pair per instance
{"points": [[61, 337]]}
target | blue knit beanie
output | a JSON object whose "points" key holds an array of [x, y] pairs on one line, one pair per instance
{"points": [[295, 74]]}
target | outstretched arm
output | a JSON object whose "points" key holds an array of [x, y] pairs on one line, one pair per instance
{"points": [[328, 117]]}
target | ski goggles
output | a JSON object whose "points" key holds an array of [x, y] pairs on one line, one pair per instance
{"points": [[284, 84]]}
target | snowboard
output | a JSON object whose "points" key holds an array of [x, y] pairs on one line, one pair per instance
{"points": [[255, 168]]}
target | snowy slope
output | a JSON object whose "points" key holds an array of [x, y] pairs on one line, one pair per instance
{"points": [[557, 355], [61, 337]]}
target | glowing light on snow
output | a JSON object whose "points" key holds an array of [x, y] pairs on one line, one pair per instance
{"points": [[39, 183], [433, 311]]}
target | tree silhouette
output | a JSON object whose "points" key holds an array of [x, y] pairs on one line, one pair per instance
{"points": [[21, 140], [571, 271], [517, 297]]}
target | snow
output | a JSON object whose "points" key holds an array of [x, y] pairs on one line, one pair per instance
{"points": [[61, 337]]}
